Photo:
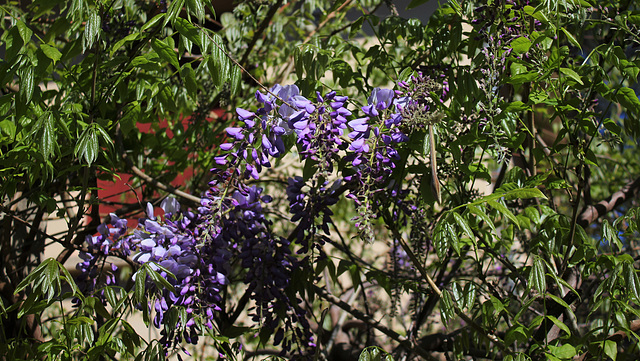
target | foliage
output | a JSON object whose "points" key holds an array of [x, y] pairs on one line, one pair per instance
{"points": [[462, 188]]}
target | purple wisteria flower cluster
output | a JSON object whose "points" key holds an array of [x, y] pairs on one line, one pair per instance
{"points": [[318, 129], [310, 206], [228, 238], [270, 265], [174, 244], [110, 241], [261, 136], [238, 225], [374, 154]]}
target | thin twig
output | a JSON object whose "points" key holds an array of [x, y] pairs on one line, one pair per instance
{"points": [[148, 179], [160, 185]]}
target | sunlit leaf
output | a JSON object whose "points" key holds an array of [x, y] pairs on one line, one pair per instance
{"points": [[165, 52], [537, 278], [91, 30]]}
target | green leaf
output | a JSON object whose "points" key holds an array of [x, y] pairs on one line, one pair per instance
{"points": [[159, 281], [454, 241], [354, 29], [152, 22], [49, 140], [197, 8], [25, 32], [369, 354], [104, 135], [464, 225], [509, 194], [610, 235], [52, 276], [441, 239], [426, 145], [628, 99], [91, 30], [537, 278], [35, 274], [447, 310], [8, 128], [564, 352], [516, 106], [523, 78], [110, 295], [27, 84], [121, 42], [186, 29], [571, 38], [611, 349], [469, 295], [234, 80], [205, 42], [415, 3], [560, 325], [498, 306], [139, 289], [13, 43], [28, 304], [480, 213], [524, 193], [504, 211], [165, 52], [189, 78], [633, 284], [70, 280], [516, 334], [572, 74], [173, 11], [87, 145], [521, 44], [80, 319], [130, 117], [166, 98], [51, 52]]}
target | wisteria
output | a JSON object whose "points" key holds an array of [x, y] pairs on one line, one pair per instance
{"points": [[110, 241], [309, 205], [173, 244], [228, 238]]}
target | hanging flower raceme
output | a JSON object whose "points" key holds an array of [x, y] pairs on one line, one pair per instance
{"points": [[174, 244], [375, 138], [373, 154], [319, 128], [260, 137], [267, 261], [419, 98], [310, 206], [110, 241]]}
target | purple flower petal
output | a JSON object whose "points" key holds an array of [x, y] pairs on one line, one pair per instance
{"points": [[244, 114], [235, 132], [226, 146]]}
